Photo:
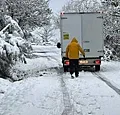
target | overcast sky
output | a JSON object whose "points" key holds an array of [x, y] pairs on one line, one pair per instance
{"points": [[57, 5]]}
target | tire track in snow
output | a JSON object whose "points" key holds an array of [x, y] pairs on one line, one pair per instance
{"points": [[66, 99], [107, 81]]}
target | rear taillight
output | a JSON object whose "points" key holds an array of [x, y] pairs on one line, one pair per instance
{"points": [[66, 62], [98, 61]]}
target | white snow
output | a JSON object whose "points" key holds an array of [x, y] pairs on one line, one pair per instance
{"points": [[17, 31], [48, 91]]}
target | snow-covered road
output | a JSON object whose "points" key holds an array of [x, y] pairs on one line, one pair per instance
{"points": [[48, 91]]}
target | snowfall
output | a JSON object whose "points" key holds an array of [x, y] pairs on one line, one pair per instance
{"points": [[47, 90]]}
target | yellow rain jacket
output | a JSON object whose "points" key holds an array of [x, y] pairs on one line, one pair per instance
{"points": [[73, 49]]}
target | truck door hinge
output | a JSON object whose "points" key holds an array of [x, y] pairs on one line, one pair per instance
{"points": [[101, 17], [63, 17], [100, 51], [86, 41]]}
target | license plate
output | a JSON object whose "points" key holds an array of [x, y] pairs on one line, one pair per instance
{"points": [[83, 61]]}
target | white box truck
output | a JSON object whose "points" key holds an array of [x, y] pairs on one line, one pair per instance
{"points": [[87, 27]]}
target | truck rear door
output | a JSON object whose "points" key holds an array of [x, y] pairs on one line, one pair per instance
{"points": [[92, 34], [70, 27]]}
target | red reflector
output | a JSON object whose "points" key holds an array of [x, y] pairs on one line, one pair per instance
{"points": [[67, 62], [62, 13], [98, 61]]}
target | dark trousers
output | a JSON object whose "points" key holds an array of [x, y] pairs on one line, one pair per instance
{"points": [[74, 66]]}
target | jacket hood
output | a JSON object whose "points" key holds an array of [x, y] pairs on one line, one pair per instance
{"points": [[74, 40]]}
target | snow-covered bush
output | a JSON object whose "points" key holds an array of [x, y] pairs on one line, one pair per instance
{"points": [[12, 46], [112, 45], [108, 54]]}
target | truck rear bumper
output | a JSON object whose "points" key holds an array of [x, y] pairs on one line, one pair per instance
{"points": [[84, 62]]}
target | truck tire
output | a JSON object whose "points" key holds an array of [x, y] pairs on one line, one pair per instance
{"points": [[97, 68]]}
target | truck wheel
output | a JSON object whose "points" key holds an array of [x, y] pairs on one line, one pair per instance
{"points": [[97, 68], [65, 69]]}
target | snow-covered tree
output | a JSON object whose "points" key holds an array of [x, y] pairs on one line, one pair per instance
{"points": [[111, 9], [82, 6], [56, 21], [43, 35], [12, 46], [14, 27], [28, 13], [47, 33]]}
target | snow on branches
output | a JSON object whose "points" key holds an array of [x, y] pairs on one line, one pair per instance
{"points": [[12, 45]]}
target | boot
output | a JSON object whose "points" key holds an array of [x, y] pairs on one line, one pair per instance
{"points": [[76, 74], [72, 76]]}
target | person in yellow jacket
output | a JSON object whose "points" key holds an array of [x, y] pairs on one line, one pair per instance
{"points": [[72, 52]]}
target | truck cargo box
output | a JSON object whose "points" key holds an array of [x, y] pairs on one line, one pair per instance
{"points": [[87, 27]]}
